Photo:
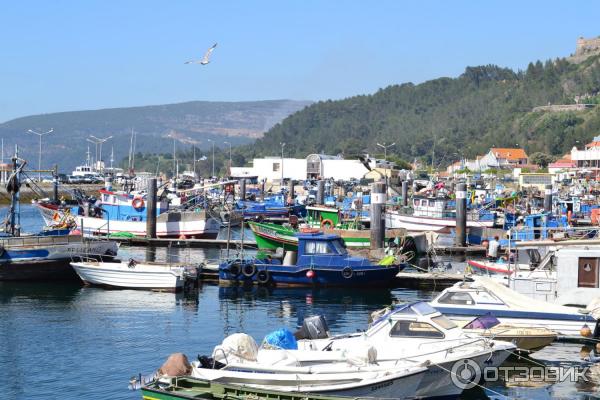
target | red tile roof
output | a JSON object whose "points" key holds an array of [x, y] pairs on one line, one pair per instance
{"points": [[508, 154]]}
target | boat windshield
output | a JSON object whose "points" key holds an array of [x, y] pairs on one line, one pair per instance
{"points": [[339, 246], [444, 322]]}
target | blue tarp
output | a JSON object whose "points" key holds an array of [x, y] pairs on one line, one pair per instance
{"points": [[282, 338]]}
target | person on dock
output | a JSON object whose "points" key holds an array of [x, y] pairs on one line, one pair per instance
{"points": [[493, 247]]}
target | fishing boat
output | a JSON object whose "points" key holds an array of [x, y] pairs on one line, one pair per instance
{"points": [[436, 214], [321, 260], [486, 296], [272, 236], [122, 212], [274, 207], [135, 275], [526, 339], [45, 255]]}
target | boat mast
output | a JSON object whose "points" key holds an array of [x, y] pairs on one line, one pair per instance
{"points": [[12, 187]]}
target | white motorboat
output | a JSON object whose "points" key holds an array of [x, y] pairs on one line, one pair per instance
{"points": [[134, 275], [420, 333], [332, 373], [488, 296]]}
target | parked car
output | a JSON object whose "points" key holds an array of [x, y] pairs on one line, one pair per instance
{"points": [[74, 179]]}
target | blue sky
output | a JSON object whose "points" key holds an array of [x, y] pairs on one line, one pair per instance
{"points": [[74, 55]]}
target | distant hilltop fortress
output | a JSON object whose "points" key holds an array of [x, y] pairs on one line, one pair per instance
{"points": [[586, 46]]}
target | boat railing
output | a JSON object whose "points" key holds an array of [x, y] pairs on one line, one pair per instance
{"points": [[102, 230]]}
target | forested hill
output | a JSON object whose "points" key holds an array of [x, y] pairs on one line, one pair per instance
{"points": [[452, 117]]}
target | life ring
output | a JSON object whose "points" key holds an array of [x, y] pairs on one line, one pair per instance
{"points": [[137, 203], [235, 269], [347, 272], [263, 276], [248, 270], [325, 223]]}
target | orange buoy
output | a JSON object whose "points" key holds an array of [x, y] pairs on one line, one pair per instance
{"points": [[585, 331]]}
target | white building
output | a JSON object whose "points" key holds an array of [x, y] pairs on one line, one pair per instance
{"points": [[315, 166]]}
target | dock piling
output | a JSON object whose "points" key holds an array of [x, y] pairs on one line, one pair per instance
{"points": [[548, 198], [151, 209], [461, 215], [55, 183], [320, 193], [378, 198], [404, 193], [242, 189], [291, 194]]}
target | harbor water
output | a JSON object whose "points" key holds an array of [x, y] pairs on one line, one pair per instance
{"points": [[66, 341]]}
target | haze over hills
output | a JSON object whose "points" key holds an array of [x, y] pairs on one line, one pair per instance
{"points": [[450, 118], [192, 123]]}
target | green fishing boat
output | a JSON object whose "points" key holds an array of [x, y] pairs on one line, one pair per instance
{"points": [[192, 388], [270, 236]]}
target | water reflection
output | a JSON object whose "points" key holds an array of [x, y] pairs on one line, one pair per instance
{"points": [[297, 303]]}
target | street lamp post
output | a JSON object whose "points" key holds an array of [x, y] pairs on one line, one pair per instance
{"points": [[40, 134], [213, 157], [385, 158], [100, 142], [282, 146]]}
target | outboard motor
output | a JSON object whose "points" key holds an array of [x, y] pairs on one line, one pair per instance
{"points": [[314, 327]]}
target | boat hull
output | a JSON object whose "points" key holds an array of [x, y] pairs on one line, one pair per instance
{"points": [[119, 275], [271, 237], [380, 385], [49, 258], [422, 223], [280, 275], [168, 225]]}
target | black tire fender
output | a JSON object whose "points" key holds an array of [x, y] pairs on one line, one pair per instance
{"points": [[263, 276], [249, 270]]}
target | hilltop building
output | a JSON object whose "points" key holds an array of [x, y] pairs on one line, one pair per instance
{"points": [[495, 158]]}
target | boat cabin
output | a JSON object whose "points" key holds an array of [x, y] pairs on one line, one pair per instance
{"points": [[565, 275], [126, 207]]}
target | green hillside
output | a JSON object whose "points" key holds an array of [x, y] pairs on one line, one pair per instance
{"points": [[451, 117]]}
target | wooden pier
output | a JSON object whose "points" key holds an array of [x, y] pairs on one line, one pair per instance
{"points": [[467, 250], [191, 243], [430, 280]]}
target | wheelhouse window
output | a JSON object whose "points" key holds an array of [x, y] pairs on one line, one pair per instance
{"points": [[456, 298], [317, 247], [415, 329], [339, 246]]}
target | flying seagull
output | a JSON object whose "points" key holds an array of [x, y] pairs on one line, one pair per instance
{"points": [[206, 59]]}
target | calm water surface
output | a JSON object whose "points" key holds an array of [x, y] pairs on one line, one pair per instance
{"points": [[72, 342]]}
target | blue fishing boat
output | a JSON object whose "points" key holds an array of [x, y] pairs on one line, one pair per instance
{"points": [[272, 207], [45, 255], [321, 260]]}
